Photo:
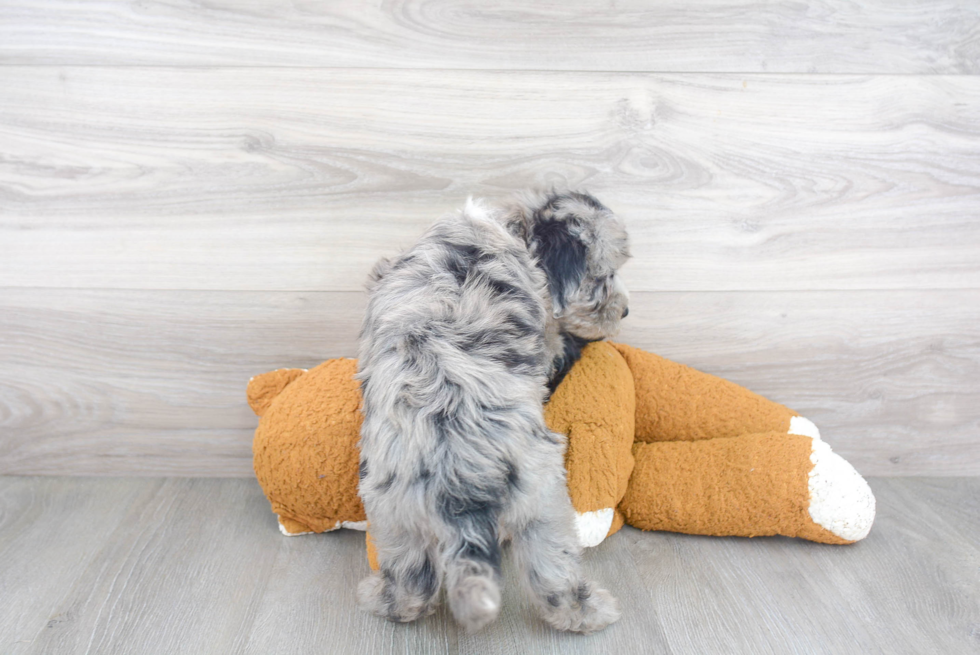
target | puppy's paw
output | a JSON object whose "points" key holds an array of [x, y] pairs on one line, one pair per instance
{"points": [[602, 610], [369, 593], [390, 603], [591, 609]]}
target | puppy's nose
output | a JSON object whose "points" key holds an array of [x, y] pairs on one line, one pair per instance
{"points": [[626, 312]]}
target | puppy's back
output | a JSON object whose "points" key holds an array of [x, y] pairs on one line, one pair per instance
{"points": [[453, 369]]}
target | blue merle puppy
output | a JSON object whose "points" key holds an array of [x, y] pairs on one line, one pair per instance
{"points": [[463, 337]]}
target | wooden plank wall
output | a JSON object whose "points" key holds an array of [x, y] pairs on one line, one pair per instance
{"points": [[191, 194]]}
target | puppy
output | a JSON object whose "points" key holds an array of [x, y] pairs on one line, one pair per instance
{"points": [[463, 337]]}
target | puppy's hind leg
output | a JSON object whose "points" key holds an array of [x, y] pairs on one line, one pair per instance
{"points": [[407, 585], [471, 560], [546, 548]]}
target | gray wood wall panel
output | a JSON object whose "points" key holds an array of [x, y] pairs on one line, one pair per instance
{"points": [[152, 382], [191, 193], [298, 179], [198, 566], [830, 36]]}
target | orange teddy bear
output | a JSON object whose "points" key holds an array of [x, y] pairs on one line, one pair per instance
{"points": [[651, 443]]}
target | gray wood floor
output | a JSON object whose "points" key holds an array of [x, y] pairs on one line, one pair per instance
{"points": [[117, 565]]}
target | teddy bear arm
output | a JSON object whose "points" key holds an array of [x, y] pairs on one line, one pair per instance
{"points": [[599, 462], [594, 407]]}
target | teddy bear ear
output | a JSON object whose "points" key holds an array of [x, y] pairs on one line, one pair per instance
{"points": [[263, 389]]}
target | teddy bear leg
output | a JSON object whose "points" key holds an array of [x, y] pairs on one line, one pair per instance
{"points": [[758, 484], [546, 547], [406, 586], [675, 402]]}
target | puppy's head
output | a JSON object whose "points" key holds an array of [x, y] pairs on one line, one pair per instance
{"points": [[580, 245]]}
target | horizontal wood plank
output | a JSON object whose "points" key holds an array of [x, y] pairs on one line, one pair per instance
{"points": [[162, 566], [264, 179], [828, 36], [51, 530], [163, 533], [152, 382], [919, 552]]}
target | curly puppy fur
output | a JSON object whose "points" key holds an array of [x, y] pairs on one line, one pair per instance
{"points": [[462, 336]]}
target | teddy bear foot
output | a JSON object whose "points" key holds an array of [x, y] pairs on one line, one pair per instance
{"points": [[292, 528], [841, 501]]}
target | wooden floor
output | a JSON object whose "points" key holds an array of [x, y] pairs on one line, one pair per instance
{"points": [[125, 565]]}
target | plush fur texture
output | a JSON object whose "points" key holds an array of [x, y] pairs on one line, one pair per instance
{"points": [[462, 336]]}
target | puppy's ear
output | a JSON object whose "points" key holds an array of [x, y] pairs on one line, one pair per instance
{"points": [[378, 272], [517, 221], [562, 256]]}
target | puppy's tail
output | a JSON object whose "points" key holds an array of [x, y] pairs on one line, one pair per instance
{"points": [[472, 570]]}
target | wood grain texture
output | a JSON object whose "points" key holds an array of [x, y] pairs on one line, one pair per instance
{"points": [[50, 531], [298, 179], [162, 566], [153, 382], [831, 36]]}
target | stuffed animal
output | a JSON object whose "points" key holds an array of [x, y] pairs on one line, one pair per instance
{"points": [[651, 443]]}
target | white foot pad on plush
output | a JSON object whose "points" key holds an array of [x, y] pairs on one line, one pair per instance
{"points": [[803, 427], [286, 532], [350, 525], [592, 527], [840, 499]]}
